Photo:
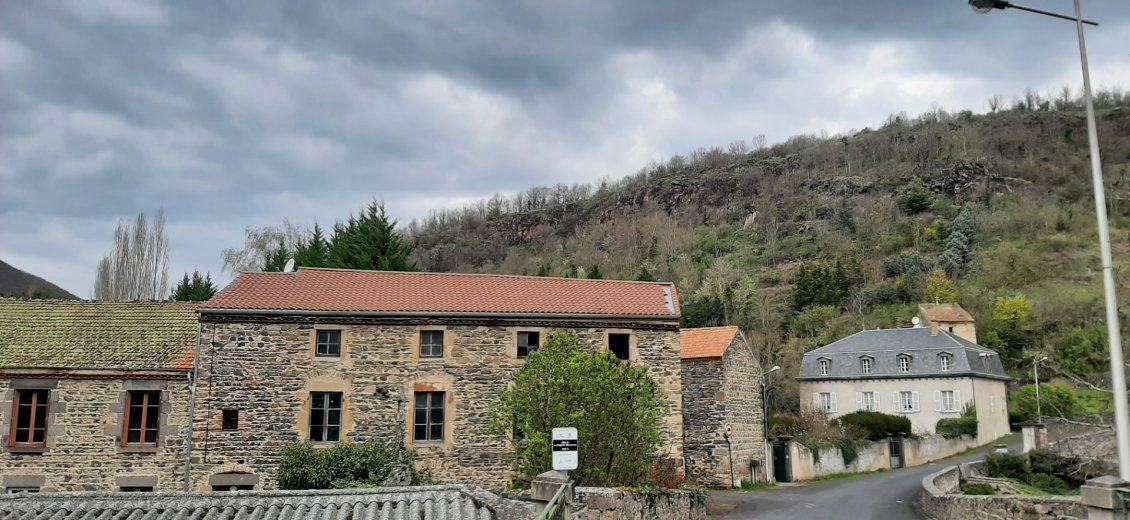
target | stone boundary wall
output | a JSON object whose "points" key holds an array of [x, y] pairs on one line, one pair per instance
{"points": [[873, 456], [939, 502], [591, 503]]}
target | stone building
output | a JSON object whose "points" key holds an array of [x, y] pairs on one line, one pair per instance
{"points": [[94, 395], [330, 355], [722, 386], [926, 373], [949, 317]]}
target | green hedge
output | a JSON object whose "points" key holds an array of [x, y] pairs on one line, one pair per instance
{"points": [[348, 465], [958, 426], [878, 425], [1007, 465]]}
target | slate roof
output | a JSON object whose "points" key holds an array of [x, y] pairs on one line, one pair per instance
{"points": [[398, 293], [884, 346], [417, 503], [706, 342], [68, 334], [944, 312]]}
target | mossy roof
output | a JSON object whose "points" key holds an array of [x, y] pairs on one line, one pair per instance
{"points": [[64, 334]]}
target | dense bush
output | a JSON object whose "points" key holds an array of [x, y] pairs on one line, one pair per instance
{"points": [[952, 428], [978, 489], [348, 465], [616, 408], [780, 425], [1073, 471], [1049, 484], [1055, 401], [878, 425], [1007, 465]]}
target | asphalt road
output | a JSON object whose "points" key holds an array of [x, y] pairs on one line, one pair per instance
{"points": [[887, 495]]}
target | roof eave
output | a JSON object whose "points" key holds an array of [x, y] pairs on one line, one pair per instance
{"points": [[933, 375], [413, 314]]}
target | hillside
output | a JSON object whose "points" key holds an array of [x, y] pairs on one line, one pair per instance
{"points": [[14, 282], [805, 241]]}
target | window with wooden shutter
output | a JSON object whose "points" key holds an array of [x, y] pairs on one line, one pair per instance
{"points": [[30, 409]]}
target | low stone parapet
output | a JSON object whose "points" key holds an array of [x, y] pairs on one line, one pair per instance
{"points": [[590, 503], [941, 500]]}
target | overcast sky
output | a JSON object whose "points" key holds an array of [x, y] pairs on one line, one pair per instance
{"points": [[242, 113]]}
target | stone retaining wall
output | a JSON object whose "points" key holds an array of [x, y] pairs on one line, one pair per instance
{"points": [[591, 503], [941, 500], [872, 456]]}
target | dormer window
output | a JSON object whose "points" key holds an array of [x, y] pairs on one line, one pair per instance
{"points": [[825, 367], [904, 363], [945, 362], [865, 364]]}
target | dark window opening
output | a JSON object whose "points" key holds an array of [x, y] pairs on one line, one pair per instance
{"points": [[230, 420], [136, 489], [427, 422], [233, 488], [328, 343], [527, 343], [143, 413], [14, 490], [30, 427], [620, 345], [431, 343], [325, 416]]}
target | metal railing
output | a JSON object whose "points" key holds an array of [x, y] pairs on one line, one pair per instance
{"points": [[557, 508]]}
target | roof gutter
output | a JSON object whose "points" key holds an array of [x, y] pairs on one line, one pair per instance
{"points": [[178, 371], [938, 375], [385, 314]]}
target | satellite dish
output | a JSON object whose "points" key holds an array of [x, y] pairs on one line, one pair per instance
{"points": [[915, 321], [289, 267]]}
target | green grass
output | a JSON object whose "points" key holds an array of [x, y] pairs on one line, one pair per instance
{"points": [[1095, 402]]}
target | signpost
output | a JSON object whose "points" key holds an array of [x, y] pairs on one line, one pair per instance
{"points": [[730, 450], [564, 449]]}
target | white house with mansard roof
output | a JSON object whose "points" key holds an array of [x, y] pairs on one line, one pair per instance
{"points": [[926, 373]]}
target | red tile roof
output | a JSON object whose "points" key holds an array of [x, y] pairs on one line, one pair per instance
{"points": [[709, 342], [345, 291], [947, 312]]}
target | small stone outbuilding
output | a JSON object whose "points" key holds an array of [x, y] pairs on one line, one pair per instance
{"points": [[94, 395], [722, 390]]}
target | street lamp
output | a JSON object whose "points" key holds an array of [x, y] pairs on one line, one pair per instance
{"points": [[765, 421], [1114, 334], [1036, 376]]}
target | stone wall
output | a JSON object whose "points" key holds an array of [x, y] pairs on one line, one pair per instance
{"points": [[939, 502], [267, 370], [607, 504], [1077, 439], [84, 437], [872, 456]]}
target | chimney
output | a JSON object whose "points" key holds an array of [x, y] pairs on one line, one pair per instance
{"points": [[933, 328]]}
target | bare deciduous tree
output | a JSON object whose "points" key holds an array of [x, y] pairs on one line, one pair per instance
{"points": [[137, 266]]}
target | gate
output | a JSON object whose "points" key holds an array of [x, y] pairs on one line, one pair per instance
{"points": [[782, 466], [897, 459]]}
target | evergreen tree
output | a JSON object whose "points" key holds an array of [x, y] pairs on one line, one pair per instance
{"points": [[195, 289], [315, 252], [543, 270], [645, 275], [594, 273], [276, 259], [370, 241]]}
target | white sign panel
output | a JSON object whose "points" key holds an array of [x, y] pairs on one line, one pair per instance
{"points": [[564, 445]]}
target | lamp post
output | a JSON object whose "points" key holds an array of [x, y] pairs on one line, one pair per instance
{"points": [[1114, 335], [1036, 376], [765, 422]]}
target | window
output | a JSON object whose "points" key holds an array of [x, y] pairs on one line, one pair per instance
{"points": [[824, 401], [987, 361], [230, 420], [325, 416], [427, 423], [29, 430], [947, 401], [431, 343], [136, 489], [620, 345], [143, 414], [14, 490], [868, 401], [825, 366], [233, 488], [527, 342], [865, 365], [904, 363], [906, 402], [944, 362], [328, 343]]}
